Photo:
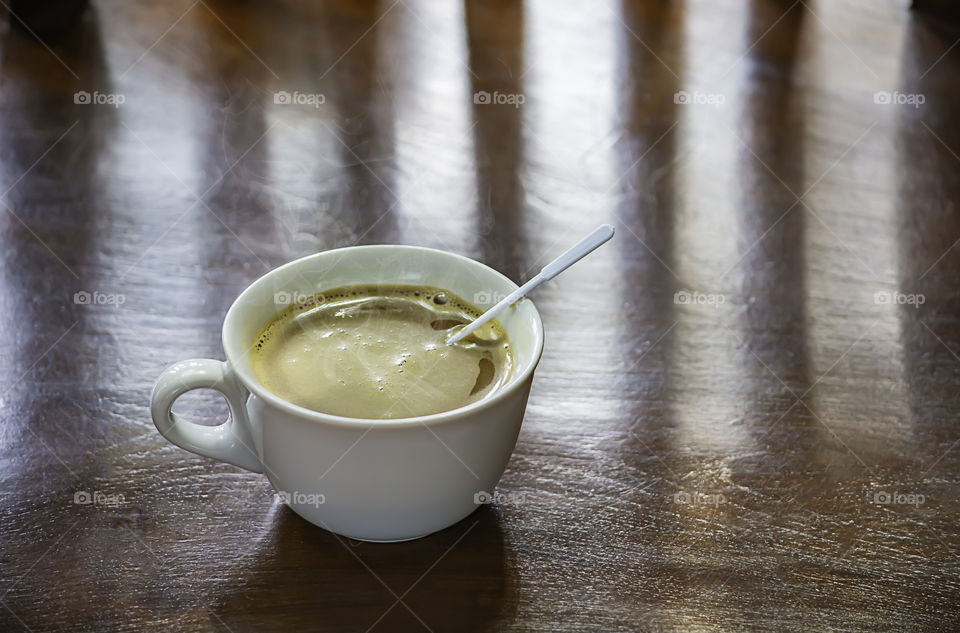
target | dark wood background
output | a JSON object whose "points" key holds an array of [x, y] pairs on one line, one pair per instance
{"points": [[775, 449]]}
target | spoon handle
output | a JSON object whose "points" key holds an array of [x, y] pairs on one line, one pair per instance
{"points": [[576, 252], [571, 256]]}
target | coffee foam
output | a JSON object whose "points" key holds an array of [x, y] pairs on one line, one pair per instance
{"points": [[346, 351]]}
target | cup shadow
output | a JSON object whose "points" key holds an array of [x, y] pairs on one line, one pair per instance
{"points": [[454, 580]]}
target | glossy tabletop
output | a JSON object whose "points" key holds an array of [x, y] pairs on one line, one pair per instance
{"points": [[746, 414]]}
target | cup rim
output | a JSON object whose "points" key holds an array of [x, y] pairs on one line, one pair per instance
{"points": [[251, 384]]}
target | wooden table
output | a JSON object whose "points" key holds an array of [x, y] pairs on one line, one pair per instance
{"points": [[746, 413]]}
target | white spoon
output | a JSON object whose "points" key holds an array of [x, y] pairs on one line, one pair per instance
{"points": [[574, 254]]}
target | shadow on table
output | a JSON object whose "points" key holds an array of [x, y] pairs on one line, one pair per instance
{"points": [[235, 213], [772, 231], [287, 178], [651, 52], [361, 99], [55, 209], [303, 577], [495, 39], [928, 227]]}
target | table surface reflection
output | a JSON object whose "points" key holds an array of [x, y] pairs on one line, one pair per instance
{"points": [[745, 415]]}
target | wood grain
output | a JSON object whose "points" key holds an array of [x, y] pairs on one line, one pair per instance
{"points": [[746, 413]]}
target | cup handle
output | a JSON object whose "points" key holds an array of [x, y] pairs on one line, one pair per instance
{"points": [[229, 442]]}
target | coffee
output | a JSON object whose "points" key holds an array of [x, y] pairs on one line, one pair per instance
{"points": [[379, 351]]}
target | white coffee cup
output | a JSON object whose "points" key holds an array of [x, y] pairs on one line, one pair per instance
{"points": [[372, 480]]}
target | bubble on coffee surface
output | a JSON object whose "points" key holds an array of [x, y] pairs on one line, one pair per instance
{"points": [[485, 377], [446, 324], [379, 351]]}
